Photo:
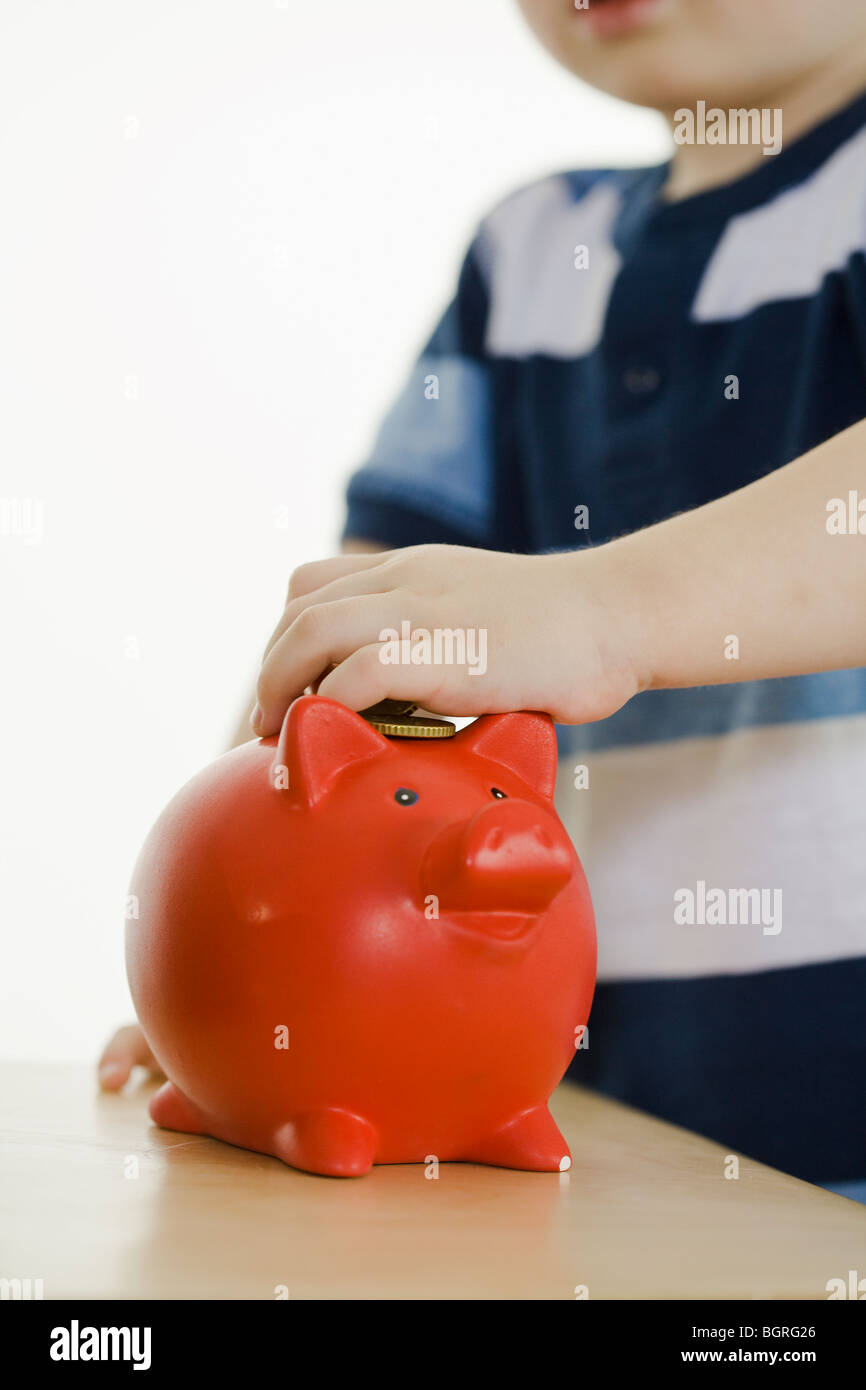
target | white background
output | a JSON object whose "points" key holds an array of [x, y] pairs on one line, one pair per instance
{"points": [[225, 229]]}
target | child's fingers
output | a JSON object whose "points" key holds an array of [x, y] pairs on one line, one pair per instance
{"points": [[127, 1049], [363, 680], [315, 574], [323, 635], [375, 579]]}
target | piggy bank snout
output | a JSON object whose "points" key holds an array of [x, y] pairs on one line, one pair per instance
{"points": [[510, 856]]}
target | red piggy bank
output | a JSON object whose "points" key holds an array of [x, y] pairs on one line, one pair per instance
{"points": [[352, 949]]}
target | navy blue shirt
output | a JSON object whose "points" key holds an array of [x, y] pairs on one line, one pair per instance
{"points": [[608, 351]]}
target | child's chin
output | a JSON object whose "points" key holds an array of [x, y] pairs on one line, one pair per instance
{"points": [[643, 78], [648, 70], [657, 72]]}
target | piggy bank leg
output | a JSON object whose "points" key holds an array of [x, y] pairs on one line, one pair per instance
{"points": [[333, 1142], [171, 1109], [531, 1141]]}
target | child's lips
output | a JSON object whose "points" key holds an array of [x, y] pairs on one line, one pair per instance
{"points": [[609, 18]]}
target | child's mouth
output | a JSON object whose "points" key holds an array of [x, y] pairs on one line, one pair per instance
{"points": [[610, 18]]}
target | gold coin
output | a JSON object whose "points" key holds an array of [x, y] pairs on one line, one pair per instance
{"points": [[397, 719]]}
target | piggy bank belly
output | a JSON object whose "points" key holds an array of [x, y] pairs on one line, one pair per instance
{"points": [[303, 1003]]}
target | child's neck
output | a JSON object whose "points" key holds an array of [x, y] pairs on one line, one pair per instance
{"points": [[804, 104]]}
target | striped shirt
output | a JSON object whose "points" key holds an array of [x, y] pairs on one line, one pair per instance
{"points": [[608, 351]]}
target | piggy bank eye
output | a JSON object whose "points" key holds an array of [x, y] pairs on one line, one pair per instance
{"points": [[498, 794], [404, 796]]}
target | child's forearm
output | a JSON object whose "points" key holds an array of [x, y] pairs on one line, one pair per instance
{"points": [[767, 581]]}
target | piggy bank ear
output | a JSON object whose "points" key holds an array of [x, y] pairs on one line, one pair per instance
{"points": [[524, 742], [318, 739]]}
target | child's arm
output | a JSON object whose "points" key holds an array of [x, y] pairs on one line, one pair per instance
{"points": [[776, 564], [757, 584]]}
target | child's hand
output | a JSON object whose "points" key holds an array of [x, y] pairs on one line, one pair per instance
{"points": [[577, 634], [540, 632], [127, 1049]]}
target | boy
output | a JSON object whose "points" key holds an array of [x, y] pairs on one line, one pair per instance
{"points": [[624, 346]]}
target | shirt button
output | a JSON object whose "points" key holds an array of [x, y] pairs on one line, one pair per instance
{"points": [[641, 381]]}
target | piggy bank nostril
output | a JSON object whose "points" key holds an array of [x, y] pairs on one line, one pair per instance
{"points": [[494, 839]]}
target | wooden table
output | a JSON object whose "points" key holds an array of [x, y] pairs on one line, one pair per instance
{"points": [[646, 1212]]}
